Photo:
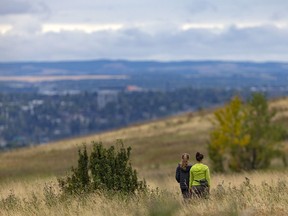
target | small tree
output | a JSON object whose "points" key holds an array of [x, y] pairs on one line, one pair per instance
{"points": [[79, 180], [229, 135], [105, 169], [264, 134], [244, 135]]}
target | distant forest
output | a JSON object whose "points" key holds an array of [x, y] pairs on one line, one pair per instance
{"points": [[31, 118]]}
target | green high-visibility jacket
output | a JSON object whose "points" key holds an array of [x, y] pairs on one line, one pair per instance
{"points": [[197, 172]]}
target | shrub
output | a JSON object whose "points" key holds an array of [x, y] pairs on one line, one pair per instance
{"points": [[105, 169]]}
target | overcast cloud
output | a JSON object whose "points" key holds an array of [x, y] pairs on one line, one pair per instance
{"points": [[138, 30]]}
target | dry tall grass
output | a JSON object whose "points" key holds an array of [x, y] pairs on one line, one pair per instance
{"points": [[257, 193]]}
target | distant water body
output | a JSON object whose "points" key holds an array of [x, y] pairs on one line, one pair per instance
{"points": [[58, 78]]}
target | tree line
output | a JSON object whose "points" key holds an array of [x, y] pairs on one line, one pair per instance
{"points": [[30, 118]]}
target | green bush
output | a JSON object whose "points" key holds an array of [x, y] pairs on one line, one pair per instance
{"points": [[105, 169]]}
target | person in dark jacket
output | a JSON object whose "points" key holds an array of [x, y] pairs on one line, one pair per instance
{"points": [[183, 175]]}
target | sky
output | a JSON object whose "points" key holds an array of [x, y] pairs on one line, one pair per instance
{"points": [[162, 30]]}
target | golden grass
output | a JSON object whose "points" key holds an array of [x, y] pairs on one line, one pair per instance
{"points": [[266, 193]]}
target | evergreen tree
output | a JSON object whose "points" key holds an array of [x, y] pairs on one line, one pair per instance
{"points": [[105, 169], [79, 181]]}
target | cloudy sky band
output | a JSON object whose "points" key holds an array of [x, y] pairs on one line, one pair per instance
{"points": [[254, 30]]}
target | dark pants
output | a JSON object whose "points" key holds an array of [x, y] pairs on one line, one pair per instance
{"points": [[200, 191], [185, 193]]}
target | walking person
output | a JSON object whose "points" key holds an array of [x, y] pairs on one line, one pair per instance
{"points": [[199, 183], [183, 175]]}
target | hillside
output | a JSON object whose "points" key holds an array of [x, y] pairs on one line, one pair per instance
{"points": [[156, 144]]}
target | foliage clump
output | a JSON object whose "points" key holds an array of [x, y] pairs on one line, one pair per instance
{"points": [[105, 169], [244, 136]]}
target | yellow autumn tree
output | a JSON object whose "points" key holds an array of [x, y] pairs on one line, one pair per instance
{"points": [[229, 136], [244, 137]]}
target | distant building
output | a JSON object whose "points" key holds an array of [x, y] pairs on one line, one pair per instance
{"points": [[106, 96], [133, 88]]}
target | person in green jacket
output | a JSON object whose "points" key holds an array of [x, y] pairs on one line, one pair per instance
{"points": [[200, 182]]}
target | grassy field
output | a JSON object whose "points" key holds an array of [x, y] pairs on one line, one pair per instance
{"points": [[260, 193], [28, 177]]}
